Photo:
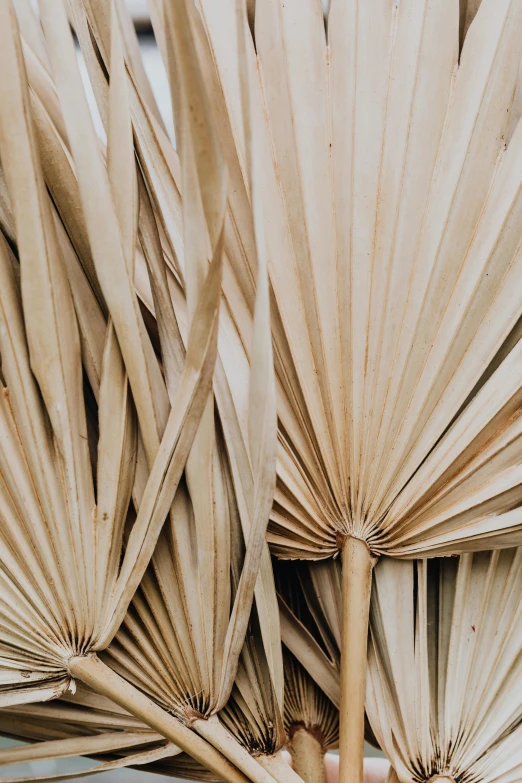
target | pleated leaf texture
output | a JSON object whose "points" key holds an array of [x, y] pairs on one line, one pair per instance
{"points": [[71, 463], [89, 724], [392, 199], [310, 605], [311, 720], [378, 176], [181, 639], [42, 642], [445, 666], [395, 229], [310, 651], [254, 711], [307, 708]]}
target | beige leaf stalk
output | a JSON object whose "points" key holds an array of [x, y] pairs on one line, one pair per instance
{"points": [[85, 723]]}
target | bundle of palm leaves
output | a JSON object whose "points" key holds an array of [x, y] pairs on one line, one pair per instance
{"points": [[325, 264]]}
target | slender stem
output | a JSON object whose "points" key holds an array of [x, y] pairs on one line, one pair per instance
{"points": [[308, 757], [94, 673], [279, 769], [75, 746], [357, 581], [215, 733]]}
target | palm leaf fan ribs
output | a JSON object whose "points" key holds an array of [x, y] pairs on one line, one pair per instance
{"points": [[229, 473], [363, 175], [90, 724], [311, 656], [164, 646], [62, 606], [393, 214], [441, 696]]}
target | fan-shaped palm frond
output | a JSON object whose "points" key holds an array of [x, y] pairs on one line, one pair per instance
{"points": [[62, 606], [89, 724], [181, 640], [393, 228], [376, 170], [444, 666], [161, 648]]}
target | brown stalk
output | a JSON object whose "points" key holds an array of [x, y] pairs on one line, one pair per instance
{"points": [[308, 757], [217, 735], [278, 767], [356, 585], [94, 673]]}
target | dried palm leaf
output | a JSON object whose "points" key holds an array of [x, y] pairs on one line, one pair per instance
{"points": [[253, 713], [311, 614], [310, 608], [393, 228], [311, 660], [312, 722], [389, 443], [181, 640], [107, 733], [468, 10], [248, 434], [444, 666], [151, 651], [117, 131], [60, 607], [161, 648]]}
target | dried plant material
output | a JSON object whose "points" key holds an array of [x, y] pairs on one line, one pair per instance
{"points": [[61, 606], [365, 169], [245, 494], [387, 203], [468, 11], [311, 614], [308, 756], [292, 533], [311, 721], [253, 713], [310, 607], [161, 647], [182, 638], [444, 666], [92, 725], [311, 663]]}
